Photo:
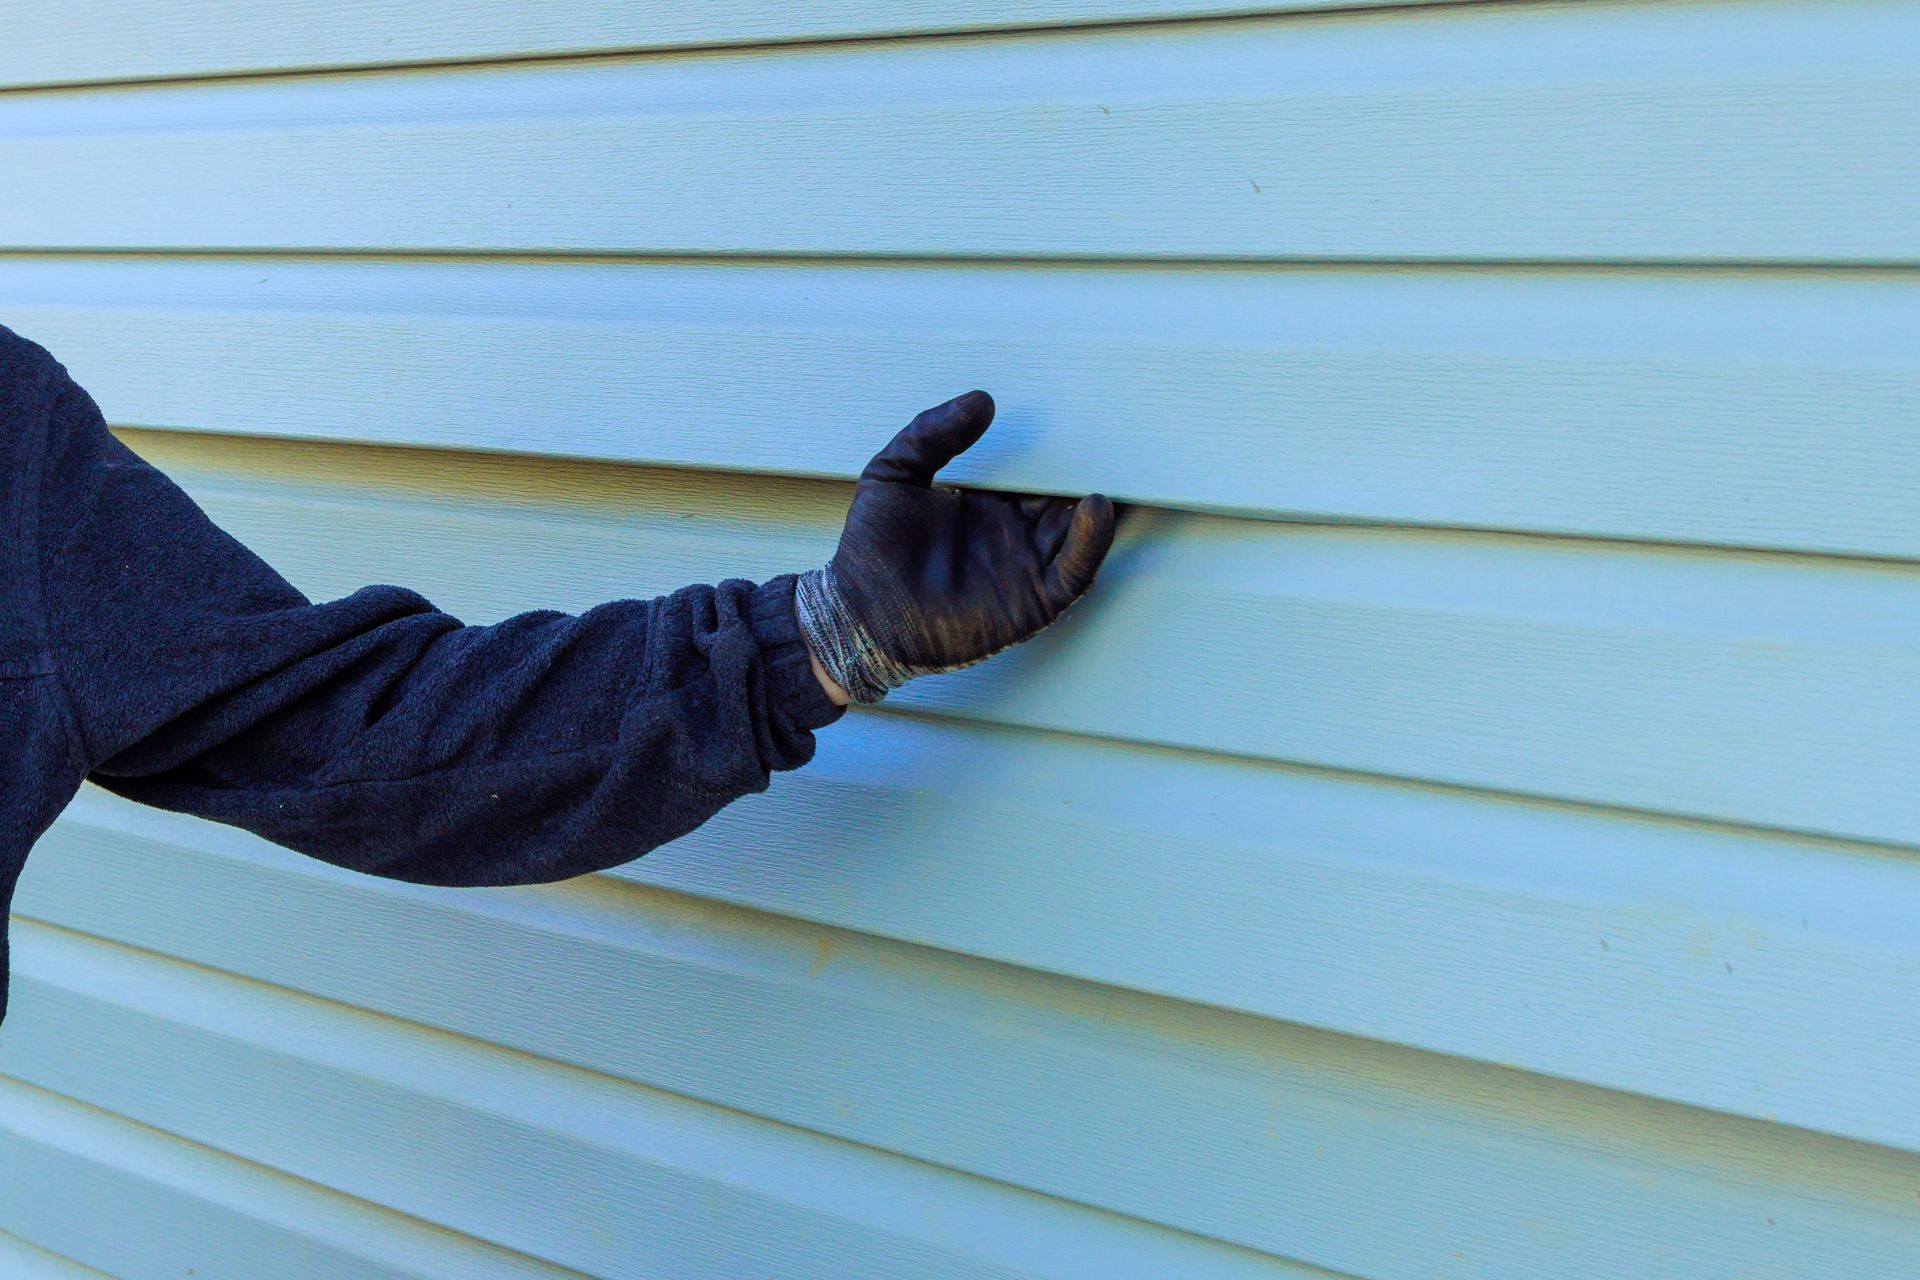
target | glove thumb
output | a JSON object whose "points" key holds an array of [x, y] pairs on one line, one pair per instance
{"points": [[932, 440]]}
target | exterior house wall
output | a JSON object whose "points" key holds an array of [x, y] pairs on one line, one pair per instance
{"points": [[1468, 833]]}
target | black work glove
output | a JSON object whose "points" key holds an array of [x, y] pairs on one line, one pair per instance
{"points": [[930, 579]]}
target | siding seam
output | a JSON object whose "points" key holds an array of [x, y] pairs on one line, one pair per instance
{"points": [[307, 1185], [1065, 28], [511, 1054]]}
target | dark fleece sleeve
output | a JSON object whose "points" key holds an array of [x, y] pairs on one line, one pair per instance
{"points": [[379, 733]]}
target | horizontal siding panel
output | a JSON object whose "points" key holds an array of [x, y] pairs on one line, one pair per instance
{"points": [[132, 1202], [1575, 670], [574, 1167], [1679, 406], [1357, 1157], [1688, 966], [1709, 132], [1698, 966], [126, 39], [1717, 968]]}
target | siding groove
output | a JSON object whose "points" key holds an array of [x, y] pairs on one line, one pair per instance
{"points": [[645, 1173], [21, 1260], [234, 41], [177, 1206]]}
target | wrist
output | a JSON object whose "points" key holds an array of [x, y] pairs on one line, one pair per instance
{"points": [[835, 694], [835, 691], [847, 652]]}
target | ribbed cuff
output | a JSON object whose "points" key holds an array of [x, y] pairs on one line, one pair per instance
{"points": [[844, 645], [783, 651]]}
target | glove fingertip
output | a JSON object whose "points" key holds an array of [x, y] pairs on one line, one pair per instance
{"points": [[1094, 518], [1089, 538]]}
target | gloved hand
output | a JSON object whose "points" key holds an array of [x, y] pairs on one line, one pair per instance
{"points": [[929, 579]]}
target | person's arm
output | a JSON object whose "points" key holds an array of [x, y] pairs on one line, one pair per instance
{"points": [[379, 733]]}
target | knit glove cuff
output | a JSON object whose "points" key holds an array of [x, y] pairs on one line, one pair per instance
{"points": [[846, 649]]}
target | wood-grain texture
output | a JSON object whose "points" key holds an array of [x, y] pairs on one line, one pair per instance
{"points": [[1469, 832], [1770, 410], [1647, 132]]}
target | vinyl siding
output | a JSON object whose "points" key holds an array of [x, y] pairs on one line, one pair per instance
{"points": [[1469, 833], [1655, 132], [27, 1262]]}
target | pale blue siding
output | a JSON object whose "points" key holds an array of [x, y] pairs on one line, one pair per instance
{"points": [[1470, 833]]}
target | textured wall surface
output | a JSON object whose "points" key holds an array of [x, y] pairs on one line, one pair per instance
{"points": [[1470, 833]]}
